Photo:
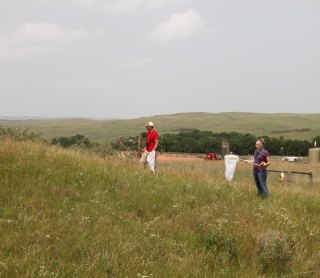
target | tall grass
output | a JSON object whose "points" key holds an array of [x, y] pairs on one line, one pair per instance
{"points": [[68, 214]]}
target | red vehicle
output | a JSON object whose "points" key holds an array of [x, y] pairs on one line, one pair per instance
{"points": [[212, 156]]}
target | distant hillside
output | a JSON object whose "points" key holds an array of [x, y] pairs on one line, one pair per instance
{"points": [[290, 126]]}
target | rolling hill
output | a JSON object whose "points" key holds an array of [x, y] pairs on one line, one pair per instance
{"points": [[290, 126]]}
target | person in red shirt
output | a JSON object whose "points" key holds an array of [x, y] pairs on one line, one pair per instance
{"points": [[149, 152]]}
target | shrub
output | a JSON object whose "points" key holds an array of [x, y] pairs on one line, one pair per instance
{"points": [[19, 134], [276, 252], [224, 248]]}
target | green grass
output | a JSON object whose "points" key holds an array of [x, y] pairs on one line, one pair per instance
{"points": [[69, 214], [259, 124]]}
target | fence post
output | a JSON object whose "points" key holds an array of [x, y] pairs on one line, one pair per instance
{"points": [[289, 177], [311, 179]]}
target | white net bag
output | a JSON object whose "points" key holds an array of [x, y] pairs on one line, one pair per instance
{"points": [[231, 162]]}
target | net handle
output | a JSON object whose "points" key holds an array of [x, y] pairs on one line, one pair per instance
{"points": [[244, 160]]}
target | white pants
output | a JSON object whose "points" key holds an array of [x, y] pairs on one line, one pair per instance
{"points": [[150, 158]]}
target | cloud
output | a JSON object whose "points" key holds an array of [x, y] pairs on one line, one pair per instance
{"points": [[118, 6], [92, 84], [3, 44], [179, 25], [37, 38], [125, 6], [234, 54], [95, 84], [136, 63]]}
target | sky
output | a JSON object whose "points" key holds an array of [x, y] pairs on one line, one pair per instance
{"points": [[137, 58]]}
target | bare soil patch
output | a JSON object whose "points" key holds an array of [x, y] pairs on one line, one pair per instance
{"points": [[177, 157]]}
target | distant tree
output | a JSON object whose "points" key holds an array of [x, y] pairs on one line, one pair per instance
{"points": [[64, 142], [197, 141], [77, 140], [81, 141]]}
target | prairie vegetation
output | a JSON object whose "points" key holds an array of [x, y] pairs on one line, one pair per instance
{"points": [[64, 213]]}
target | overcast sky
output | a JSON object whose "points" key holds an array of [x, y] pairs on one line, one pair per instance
{"points": [[136, 58]]}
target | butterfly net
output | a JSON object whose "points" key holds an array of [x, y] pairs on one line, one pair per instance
{"points": [[230, 161]]}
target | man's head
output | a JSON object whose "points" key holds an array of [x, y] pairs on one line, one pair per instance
{"points": [[149, 125]]}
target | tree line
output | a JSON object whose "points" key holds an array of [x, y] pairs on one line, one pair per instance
{"points": [[197, 141], [187, 141]]}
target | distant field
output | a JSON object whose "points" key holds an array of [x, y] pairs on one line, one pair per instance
{"points": [[290, 126]]}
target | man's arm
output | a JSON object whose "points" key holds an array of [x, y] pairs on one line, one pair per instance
{"points": [[156, 145]]}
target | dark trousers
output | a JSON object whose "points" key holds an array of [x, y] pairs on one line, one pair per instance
{"points": [[260, 179]]}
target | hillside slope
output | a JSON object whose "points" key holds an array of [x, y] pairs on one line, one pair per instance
{"points": [[290, 126], [69, 214]]}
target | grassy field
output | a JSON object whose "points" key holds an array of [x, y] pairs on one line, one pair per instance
{"points": [[69, 214], [290, 126]]}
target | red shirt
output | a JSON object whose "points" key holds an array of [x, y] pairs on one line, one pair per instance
{"points": [[152, 136]]}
